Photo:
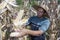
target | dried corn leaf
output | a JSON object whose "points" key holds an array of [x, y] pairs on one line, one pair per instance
{"points": [[3, 5], [19, 17]]}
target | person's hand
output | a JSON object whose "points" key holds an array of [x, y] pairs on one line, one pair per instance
{"points": [[25, 31]]}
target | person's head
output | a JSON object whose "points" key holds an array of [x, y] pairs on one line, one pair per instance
{"points": [[41, 12]]}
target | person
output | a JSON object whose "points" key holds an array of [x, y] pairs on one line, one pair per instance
{"points": [[38, 24]]}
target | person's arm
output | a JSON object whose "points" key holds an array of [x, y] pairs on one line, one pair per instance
{"points": [[34, 33], [41, 30]]}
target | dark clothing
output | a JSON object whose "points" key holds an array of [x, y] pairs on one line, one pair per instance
{"points": [[41, 37]]}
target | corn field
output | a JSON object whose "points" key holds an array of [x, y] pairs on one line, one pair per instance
{"points": [[14, 11]]}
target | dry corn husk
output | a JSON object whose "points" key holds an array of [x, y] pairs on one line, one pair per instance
{"points": [[14, 34], [12, 2], [3, 5], [18, 18]]}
